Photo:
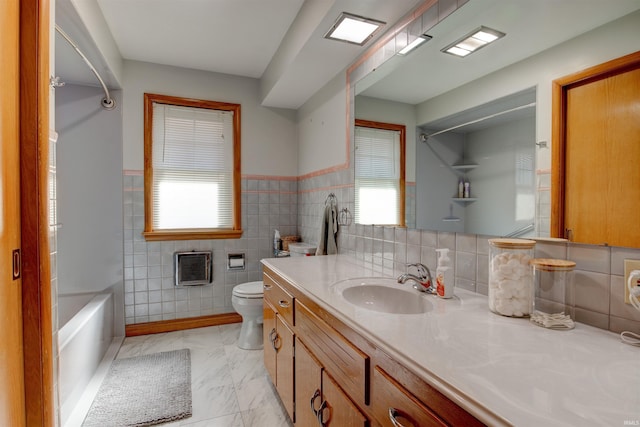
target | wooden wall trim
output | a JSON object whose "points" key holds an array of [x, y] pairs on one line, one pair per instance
{"points": [[181, 324], [34, 173]]}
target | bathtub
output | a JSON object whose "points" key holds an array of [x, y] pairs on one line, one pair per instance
{"points": [[83, 339]]}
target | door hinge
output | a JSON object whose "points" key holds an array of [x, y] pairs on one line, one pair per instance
{"points": [[568, 234], [17, 264]]}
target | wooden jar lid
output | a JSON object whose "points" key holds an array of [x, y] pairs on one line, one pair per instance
{"points": [[505, 243], [550, 264]]}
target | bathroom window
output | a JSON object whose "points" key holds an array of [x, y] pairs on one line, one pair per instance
{"points": [[379, 173], [191, 169]]}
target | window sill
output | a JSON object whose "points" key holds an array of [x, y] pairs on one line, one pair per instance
{"points": [[191, 234]]}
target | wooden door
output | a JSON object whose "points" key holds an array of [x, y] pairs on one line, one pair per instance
{"points": [[12, 403], [308, 374], [597, 170]]}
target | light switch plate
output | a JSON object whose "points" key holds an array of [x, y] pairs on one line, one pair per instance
{"points": [[629, 266]]}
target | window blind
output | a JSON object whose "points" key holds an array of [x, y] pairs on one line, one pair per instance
{"points": [[192, 161], [377, 176]]}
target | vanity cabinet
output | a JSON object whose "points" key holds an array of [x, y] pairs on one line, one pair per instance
{"points": [[279, 341], [342, 378]]}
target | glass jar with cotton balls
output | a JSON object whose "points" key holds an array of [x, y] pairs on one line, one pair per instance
{"points": [[510, 276]]}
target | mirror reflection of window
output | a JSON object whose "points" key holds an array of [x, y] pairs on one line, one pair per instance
{"points": [[379, 175], [525, 186]]}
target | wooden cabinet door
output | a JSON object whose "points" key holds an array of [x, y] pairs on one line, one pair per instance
{"points": [[319, 400], [390, 399], [339, 410], [284, 364], [269, 332], [12, 402], [308, 373]]}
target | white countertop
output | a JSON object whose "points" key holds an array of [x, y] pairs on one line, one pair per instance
{"points": [[502, 370]]}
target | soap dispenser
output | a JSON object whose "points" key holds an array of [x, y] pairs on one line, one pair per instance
{"points": [[444, 275], [277, 243]]}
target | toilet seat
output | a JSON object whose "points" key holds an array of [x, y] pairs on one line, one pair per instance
{"points": [[250, 290]]}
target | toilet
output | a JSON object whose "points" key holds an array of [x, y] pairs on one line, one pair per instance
{"points": [[247, 301]]}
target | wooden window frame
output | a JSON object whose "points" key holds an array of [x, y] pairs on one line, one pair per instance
{"points": [[149, 232], [402, 130]]}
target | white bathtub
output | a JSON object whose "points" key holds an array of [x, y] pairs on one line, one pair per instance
{"points": [[83, 341]]}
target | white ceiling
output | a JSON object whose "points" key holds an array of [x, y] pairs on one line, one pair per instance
{"points": [[531, 26], [226, 36], [279, 42]]}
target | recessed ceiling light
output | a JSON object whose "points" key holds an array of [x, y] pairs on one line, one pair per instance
{"points": [[353, 29], [473, 41], [414, 44]]}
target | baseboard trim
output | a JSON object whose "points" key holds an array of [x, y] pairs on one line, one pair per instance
{"points": [[181, 324]]}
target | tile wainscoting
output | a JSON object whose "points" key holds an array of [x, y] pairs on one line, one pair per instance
{"points": [[268, 203], [295, 206]]}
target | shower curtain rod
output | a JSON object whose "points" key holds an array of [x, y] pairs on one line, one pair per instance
{"points": [[107, 102], [424, 137]]}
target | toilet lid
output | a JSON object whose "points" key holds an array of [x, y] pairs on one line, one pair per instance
{"points": [[249, 290]]}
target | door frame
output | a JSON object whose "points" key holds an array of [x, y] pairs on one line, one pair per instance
{"points": [[559, 89], [35, 29]]}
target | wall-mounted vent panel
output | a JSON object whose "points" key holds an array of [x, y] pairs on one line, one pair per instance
{"points": [[193, 268]]}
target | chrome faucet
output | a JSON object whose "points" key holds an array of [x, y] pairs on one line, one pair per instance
{"points": [[423, 280]]}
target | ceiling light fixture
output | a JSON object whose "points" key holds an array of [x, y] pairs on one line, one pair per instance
{"points": [[414, 44], [473, 41], [353, 29]]}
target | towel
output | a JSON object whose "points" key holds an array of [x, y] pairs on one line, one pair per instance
{"points": [[327, 244]]}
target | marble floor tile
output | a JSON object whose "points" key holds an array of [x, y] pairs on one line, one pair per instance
{"points": [[233, 420], [211, 402], [230, 386], [265, 416], [229, 333], [205, 338], [246, 365], [256, 393]]}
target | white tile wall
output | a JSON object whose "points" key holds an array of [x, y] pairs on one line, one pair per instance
{"points": [[150, 291], [598, 276], [295, 207]]}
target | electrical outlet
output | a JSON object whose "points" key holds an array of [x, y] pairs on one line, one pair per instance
{"points": [[629, 266]]}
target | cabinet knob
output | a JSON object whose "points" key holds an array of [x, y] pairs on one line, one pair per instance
{"points": [[284, 303], [266, 287], [393, 414]]}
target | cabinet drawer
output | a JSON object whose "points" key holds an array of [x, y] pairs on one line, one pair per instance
{"points": [[391, 399], [280, 299], [345, 362]]}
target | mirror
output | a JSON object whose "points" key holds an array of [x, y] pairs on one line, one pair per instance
{"points": [[429, 91]]}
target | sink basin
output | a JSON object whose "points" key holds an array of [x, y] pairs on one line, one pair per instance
{"points": [[383, 295]]}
